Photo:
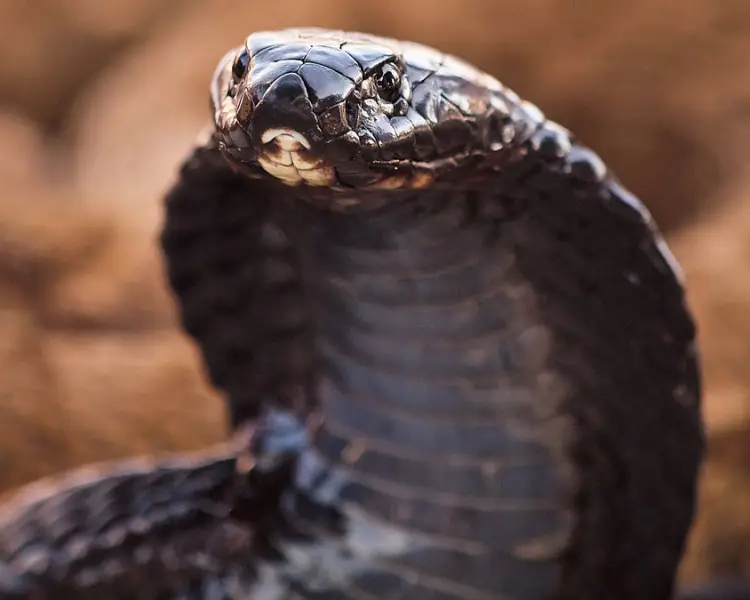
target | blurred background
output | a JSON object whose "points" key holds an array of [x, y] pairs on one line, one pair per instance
{"points": [[99, 101]]}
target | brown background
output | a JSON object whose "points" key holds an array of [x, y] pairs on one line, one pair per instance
{"points": [[100, 100]]}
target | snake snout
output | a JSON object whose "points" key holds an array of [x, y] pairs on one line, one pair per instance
{"points": [[282, 113]]}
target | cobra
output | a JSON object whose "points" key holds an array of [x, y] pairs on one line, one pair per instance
{"points": [[455, 350]]}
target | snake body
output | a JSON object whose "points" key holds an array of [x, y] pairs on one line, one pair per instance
{"points": [[456, 351]]}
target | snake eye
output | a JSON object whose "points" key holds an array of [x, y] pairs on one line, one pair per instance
{"points": [[241, 63], [388, 81]]}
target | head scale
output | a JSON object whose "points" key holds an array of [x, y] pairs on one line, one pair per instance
{"points": [[349, 111]]}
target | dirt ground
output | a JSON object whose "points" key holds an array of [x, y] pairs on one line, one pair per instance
{"points": [[99, 102]]}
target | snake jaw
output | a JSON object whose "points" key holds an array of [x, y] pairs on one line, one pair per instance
{"points": [[286, 155]]}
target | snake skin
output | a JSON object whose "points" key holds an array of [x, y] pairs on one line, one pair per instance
{"points": [[484, 326]]}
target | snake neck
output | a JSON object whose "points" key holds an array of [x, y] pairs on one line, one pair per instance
{"points": [[433, 376], [424, 289], [467, 342]]}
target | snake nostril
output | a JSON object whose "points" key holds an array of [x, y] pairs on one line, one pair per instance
{"points": [[352, 112]]}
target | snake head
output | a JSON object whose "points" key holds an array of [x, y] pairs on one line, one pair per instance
{"points": [[352, 111]]}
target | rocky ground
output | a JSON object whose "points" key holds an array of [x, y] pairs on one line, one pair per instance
{"points": [[99, 101]]}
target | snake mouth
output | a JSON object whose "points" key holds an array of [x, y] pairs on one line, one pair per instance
{"points": [[286, 155]]}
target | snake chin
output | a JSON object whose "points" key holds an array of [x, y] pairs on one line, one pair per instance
{"points": [[286, 156]]}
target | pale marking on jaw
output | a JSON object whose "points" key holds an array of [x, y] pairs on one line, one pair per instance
{"points": [[285, 137], [284, 159]]}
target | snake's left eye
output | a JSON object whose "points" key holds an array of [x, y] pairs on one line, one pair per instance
{"points": [[241, 63], [388, 80]]}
